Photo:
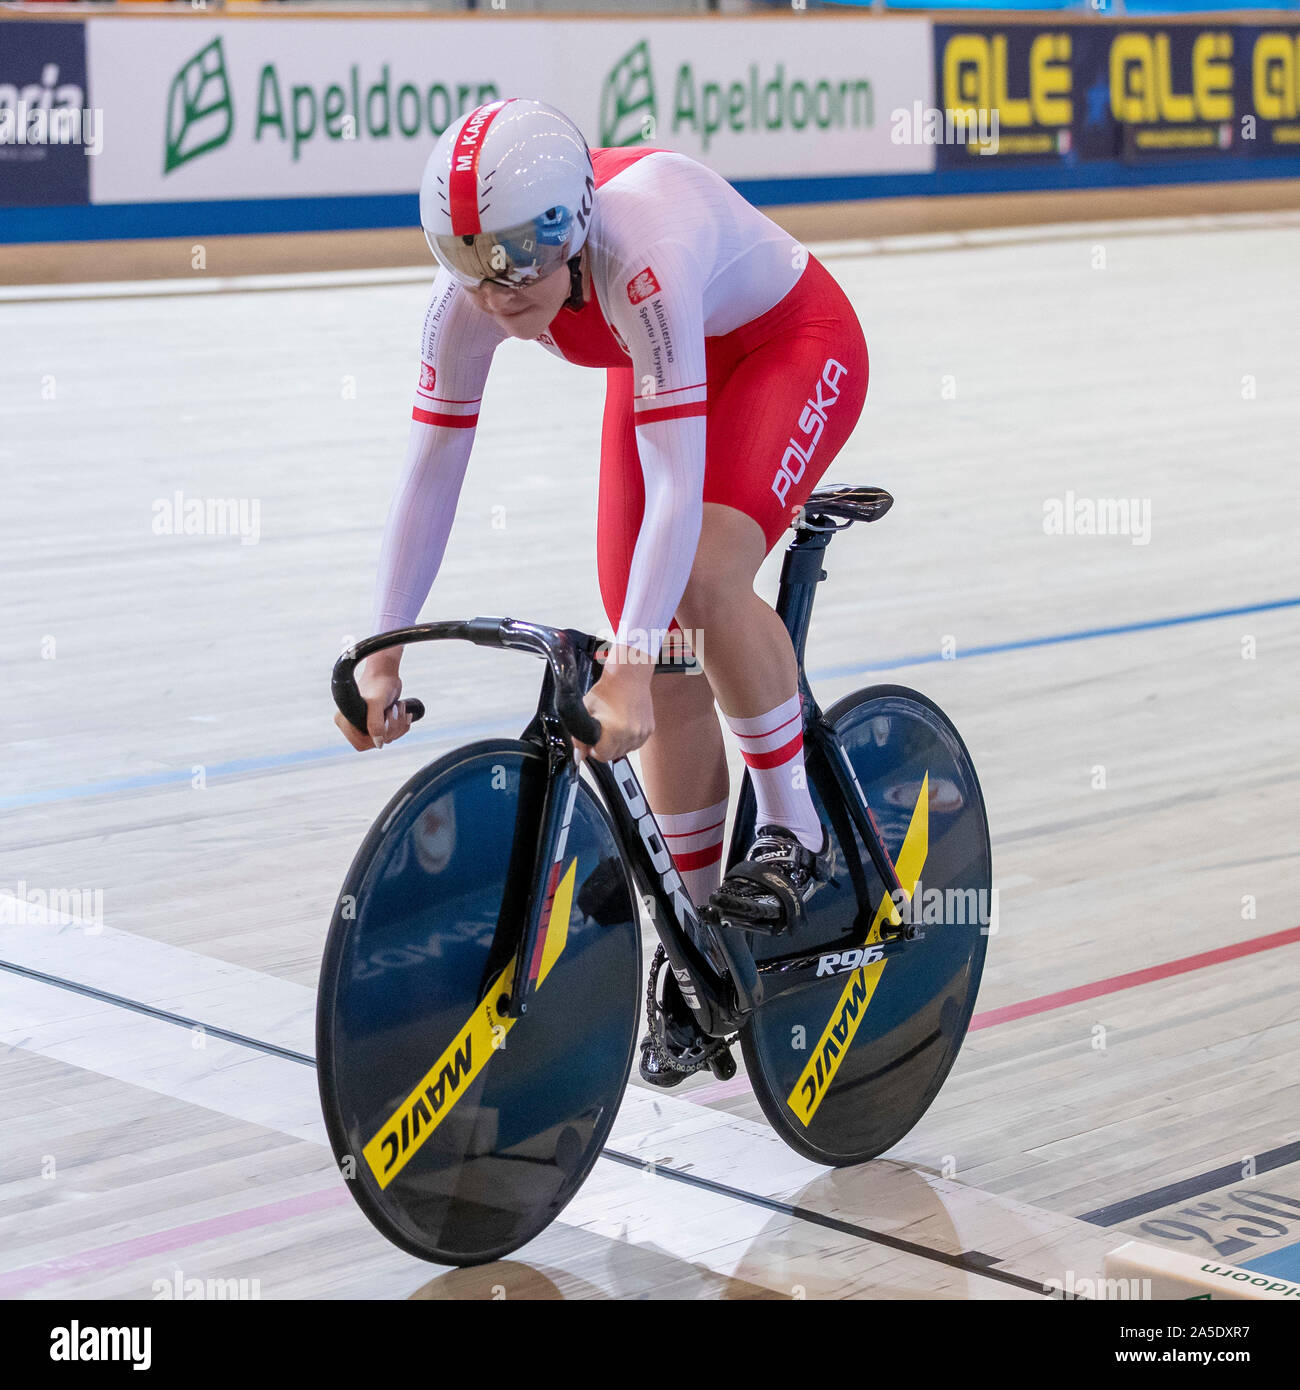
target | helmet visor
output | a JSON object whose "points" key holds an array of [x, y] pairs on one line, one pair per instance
{"points": [[516, 256]]}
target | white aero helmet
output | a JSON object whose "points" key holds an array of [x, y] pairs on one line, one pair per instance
{"points": [[507, 193]]}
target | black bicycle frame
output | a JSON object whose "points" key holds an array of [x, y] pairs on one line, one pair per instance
{"points": [[801, 572], [714, 967], [721, 998]]}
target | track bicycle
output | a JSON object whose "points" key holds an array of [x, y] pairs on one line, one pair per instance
{"points": [[480, 990]]}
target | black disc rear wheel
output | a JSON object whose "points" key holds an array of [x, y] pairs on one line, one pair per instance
{"points": [[844, 1068]]}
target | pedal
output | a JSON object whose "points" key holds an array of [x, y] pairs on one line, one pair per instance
{"points": [[736, 921], [723, 1065]]}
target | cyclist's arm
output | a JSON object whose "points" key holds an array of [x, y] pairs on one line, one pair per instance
{"points": [[657, 305], [457, 350]]}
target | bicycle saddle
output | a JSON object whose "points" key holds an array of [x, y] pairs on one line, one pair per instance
{"points": [[850, 503]]}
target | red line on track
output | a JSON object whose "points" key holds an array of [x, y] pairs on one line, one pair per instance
{"points": [[1133, 978], [20, 1281], [990, 1018]]}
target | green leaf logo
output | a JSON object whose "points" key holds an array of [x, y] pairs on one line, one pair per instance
{"points": [[199, 114], [627, 100]]}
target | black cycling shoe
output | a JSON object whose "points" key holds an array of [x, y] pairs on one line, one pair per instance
{"points": [[652, 1068], [767, 890]]}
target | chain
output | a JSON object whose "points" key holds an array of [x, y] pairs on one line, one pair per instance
{"points": [[659, 1044]]}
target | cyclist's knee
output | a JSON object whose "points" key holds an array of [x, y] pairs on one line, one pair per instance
{"points": [[716, 586], [679, 697], [730, 551]]}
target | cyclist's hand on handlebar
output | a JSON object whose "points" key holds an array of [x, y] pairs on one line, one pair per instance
{"points": [[621, 701], [381, 688]]}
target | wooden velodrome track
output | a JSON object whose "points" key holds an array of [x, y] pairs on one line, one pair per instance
{"points": [[1130, 705]]}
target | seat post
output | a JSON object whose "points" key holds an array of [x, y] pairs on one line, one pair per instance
{"points": [[801, 572]]}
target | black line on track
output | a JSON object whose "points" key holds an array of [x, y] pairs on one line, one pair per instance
{"points": [[969, 1261], [164, 1015], [1144, 1202]]}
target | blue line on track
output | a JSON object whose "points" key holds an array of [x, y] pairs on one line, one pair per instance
{"points": [[1056, 639], [270, 762], [1282, 1264], [450, 732]]}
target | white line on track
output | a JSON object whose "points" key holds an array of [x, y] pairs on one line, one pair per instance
{"points": [[975, 238], [658, 1130]]}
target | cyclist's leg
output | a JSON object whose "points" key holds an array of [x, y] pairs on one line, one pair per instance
{"points": [[777, 422], [684, 768], [683, 765], [751, 665], [784, 397]]}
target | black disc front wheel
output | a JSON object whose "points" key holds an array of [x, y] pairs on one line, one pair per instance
{"points": [[463, 1133]]}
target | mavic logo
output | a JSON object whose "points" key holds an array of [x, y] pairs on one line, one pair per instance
{"points": [[413, 1122], [450, 1078], [817, 1075], [200, 115], [837, 1037], [627, 100]]}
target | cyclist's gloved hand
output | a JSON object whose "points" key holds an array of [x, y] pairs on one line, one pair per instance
{"points": [[380, 687], [621, 701]]}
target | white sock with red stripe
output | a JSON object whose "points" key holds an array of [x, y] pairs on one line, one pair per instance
{"points": [[772, 746], [694, 839]]}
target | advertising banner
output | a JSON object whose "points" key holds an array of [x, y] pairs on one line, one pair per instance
{"points": [[1017, 87], [1137, 93], [1171, 93], [46, 130], [200, 109], [327, 122], [1268, 81]]}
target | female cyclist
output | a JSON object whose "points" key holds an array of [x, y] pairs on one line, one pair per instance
{"points": [[736, 370]]}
